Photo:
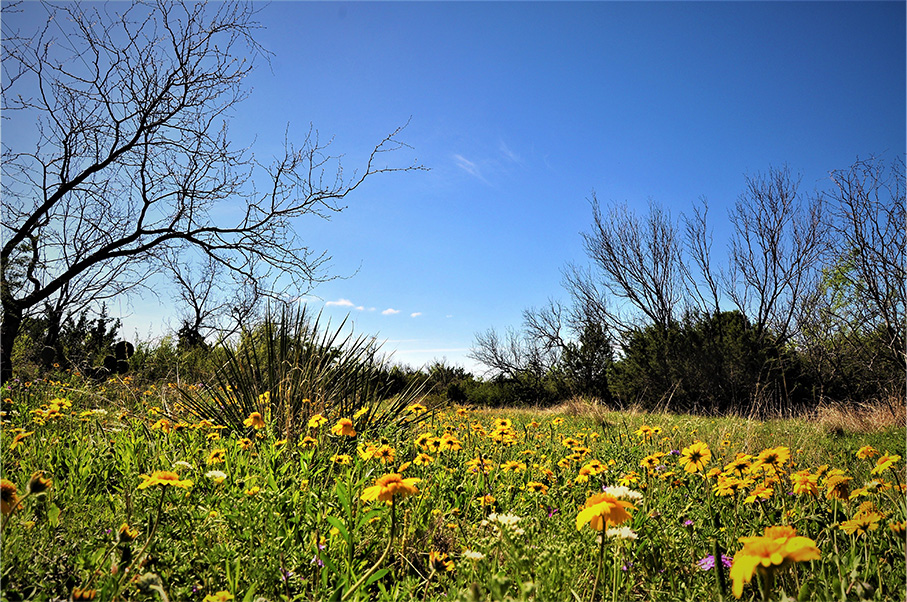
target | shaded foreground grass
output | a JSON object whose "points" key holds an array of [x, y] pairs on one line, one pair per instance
{"points": [[148, 502]]}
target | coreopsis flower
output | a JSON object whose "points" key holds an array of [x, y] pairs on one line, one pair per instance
{"points": [[884, 463], [390, 486], [416, 408], [651, 461], [317, 421], [344, 427], [422, 440], [862, 523], [449, 442], [308, 443], [867, 451], [477, 464], [8, 496], [740, 464], [772, 459], [164, 479], [728, 485], [805, 483], [37, 483], [385, 453], [503, 423], [537, 487], [644, 432], [439, 562], [695, 457], [837, 486], [245, 443], [342, 459], [255, 420], [628, 479], [760, 492], [17, 440], [423, 459], [777, 548], [513, 466], [216, 456], [125, 533], [603, 509]]}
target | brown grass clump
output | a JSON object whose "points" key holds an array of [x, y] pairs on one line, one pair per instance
{"points": [[864, 417]]}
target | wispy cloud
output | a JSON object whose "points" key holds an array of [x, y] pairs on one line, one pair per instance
{"points": [[509, 154], [415, 314], [469, 167], [390, 311]]}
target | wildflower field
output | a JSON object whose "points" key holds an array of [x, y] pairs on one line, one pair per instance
{"points": [[116, 492]]}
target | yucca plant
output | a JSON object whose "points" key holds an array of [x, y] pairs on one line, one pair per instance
{"points": [[291, 368]]}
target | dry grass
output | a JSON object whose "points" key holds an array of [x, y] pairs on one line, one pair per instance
{"points": [[865, 417]]}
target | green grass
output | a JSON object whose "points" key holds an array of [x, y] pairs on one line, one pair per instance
{"points": [[287, 522]]}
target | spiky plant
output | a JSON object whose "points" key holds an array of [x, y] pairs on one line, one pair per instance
{"points": [[290, 368]]}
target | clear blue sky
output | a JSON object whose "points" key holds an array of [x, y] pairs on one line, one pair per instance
{"points": [[521, 110]]}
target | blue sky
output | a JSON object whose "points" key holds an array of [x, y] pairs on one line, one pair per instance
{"points": [[522, 110]]}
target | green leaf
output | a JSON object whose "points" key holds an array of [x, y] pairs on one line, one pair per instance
{"points": [[336, 522], [53, 514], [378, 575]]}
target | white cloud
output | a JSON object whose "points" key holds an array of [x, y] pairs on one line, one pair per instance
{"points": [[390, 311], [340, 303], [415, 314]]}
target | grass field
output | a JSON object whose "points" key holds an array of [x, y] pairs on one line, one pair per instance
{"points": [[113, 492]]}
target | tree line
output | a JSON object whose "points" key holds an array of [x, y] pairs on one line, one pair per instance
{"points": [[806, 305]]}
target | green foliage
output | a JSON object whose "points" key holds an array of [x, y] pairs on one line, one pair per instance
{"points": [[289, 368], [709, 363], [587, 362]]}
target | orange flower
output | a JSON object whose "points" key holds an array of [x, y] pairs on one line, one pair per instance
{"points": [[255, 420], [390, 486], [777, 548], [163, 478], [8, 497], [603, 509], [344, 426]]}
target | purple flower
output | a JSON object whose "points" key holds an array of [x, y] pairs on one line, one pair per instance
{"points": [[552, 511], [675, 452], [317, 560], [687, 523], [708, 563]]}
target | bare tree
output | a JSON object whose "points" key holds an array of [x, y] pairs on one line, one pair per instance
{"points": [[636, 260], [777, 247], [131, 158]]}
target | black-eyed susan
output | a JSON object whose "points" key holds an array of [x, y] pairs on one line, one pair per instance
{"points": [[163, 478], [439, 562], [216, 456], [513, 466], [422, 459], [341, 459], [317, 421], [19, 438], [777, 548], [8, 496], [603, 509], [695, 457], [417, 409], [308, 443], [245, 443], [344, 427], [862, 523], [38, 483], [772, 459], [867, 451], [884, 463], [537, 487], [386, 454], [126, 534], [389, 487], [255, 421], [805, 483]]}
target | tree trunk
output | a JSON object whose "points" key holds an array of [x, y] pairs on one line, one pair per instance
{"points": [[9, 330]]}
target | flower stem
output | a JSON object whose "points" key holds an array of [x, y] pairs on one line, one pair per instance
{"points": [[390, 540], [601, 562]]}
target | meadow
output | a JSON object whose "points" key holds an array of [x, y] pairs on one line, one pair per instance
{"points": [[117, 491]]}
